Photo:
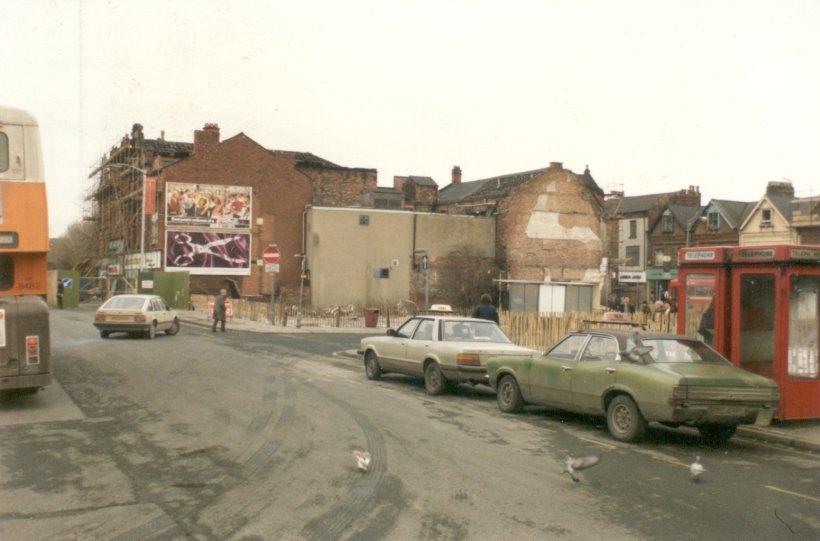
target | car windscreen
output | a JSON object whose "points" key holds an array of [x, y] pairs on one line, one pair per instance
{"points": [[679, 350], [474, 331], [124, 303]]}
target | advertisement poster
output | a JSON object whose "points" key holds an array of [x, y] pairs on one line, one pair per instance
{"points": [[208, 205], [208, 253]]}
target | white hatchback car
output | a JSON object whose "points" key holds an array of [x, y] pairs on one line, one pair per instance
{"points": [[143, 314]]}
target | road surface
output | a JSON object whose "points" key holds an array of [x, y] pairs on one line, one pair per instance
{"points": [[249, 436]]}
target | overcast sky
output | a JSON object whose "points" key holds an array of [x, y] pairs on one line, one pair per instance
{"points": [[654, 96]]}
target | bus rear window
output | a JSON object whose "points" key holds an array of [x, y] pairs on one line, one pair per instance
{"points": [[4, 152], [6, 272]]}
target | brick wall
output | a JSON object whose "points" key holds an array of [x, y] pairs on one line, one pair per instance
{"points": [[338, 186], [550, 227], [280, 193]]}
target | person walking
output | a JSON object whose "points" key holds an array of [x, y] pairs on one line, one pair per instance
{"points": [[485, 309], [219, 310]]}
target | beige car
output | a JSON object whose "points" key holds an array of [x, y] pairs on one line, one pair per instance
{"points": [[444, 350], [136, 314]]}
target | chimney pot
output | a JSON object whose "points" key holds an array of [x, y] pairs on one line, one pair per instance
{"points": [[456, 175]]}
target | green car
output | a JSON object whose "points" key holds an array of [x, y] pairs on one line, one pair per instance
{"points": [[635, 378]]}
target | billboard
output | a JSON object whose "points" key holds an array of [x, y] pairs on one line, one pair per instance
{"points": [[208, 253], [207, 205]]}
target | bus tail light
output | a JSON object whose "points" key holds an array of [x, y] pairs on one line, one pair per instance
{"points": [[32, 350], [468, 359]]}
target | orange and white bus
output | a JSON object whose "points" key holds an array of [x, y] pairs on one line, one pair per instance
{"points": [[24, 329]]}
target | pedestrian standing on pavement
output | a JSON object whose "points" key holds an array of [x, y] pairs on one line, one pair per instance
{"points": [[219, 310], [485, 309]]}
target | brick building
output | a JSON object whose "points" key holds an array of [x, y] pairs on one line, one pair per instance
{"points": [[667, 234], [260, 196], [720, 223], [629, 261], [548, 233], [420, 193]]}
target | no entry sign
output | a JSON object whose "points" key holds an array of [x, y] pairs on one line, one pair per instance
{"points": [[271, 257]]}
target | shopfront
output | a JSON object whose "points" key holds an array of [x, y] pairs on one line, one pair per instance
{"points": [[658, 279], [758, 306]]}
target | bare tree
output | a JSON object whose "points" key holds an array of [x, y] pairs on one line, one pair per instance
{"points": [[462, 276], [73, 250]]}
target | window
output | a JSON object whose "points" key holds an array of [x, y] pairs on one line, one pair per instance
{"points": [[578, 299], [667, 222], [381, 273], [6, 272], [714, 221], [406, 330], [803, 327], [425, 330], [568, 349], [681, 350], [4, 152], [633, 229], [602, 348], [124, 303], [473, 331], [700, 306], [766, 217], [633, 256]]}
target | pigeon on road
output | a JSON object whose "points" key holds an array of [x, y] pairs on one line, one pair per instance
{"points": [[696, 470], [362, 458], [572, 465]]}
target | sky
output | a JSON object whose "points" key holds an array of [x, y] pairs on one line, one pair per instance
{"points": [[652, 96]]}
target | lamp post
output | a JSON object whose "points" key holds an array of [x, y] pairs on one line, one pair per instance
{"points": [[144, 173]]}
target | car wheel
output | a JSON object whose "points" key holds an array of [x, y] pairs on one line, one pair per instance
{"points": [[371, 366], [624, 419], [105, 334], [434, 381], [173, 329], [152, 331], [509, 396], [716, 434]]}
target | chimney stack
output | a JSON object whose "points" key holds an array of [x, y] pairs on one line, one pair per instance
{"points": [[456, 175], [556, 165], [206, 138], [780, 188]]}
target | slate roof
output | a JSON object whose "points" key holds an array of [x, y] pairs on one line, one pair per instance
{"points": [[420, 181], [734, 212], [681, 213], [783, 203], [168, 148], [634, 203], [500, 186]]}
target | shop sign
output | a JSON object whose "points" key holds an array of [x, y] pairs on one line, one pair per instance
{"points": [[757, 253], [632, 277], [661, 274]]}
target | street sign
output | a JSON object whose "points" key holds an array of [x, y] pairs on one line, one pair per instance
{"points": [[271, 256], [67, 283], [271, 267]]}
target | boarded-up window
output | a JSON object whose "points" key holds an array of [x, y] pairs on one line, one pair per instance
{"points": [[4, 152], [524, 297], [578, 298]]}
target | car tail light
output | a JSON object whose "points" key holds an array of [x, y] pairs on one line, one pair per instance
{"points": [[468, 359], [139, 318], [99, 317], [679, 392]]}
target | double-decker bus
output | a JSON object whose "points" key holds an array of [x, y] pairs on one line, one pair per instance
{"points": [[24, 329]]}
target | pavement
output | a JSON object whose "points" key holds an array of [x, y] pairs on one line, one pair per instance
{"points": [[196, 317], [248, 436]]}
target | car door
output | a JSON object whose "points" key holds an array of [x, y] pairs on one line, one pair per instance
{"points": [[419, 347], [392, 348], [551, 375], [595, 373], [160, 314]]}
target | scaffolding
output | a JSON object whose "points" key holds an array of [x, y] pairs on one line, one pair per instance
{"points": [[115, 204]]}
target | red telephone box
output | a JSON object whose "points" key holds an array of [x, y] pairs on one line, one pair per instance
{"points": [[765, 311]]}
